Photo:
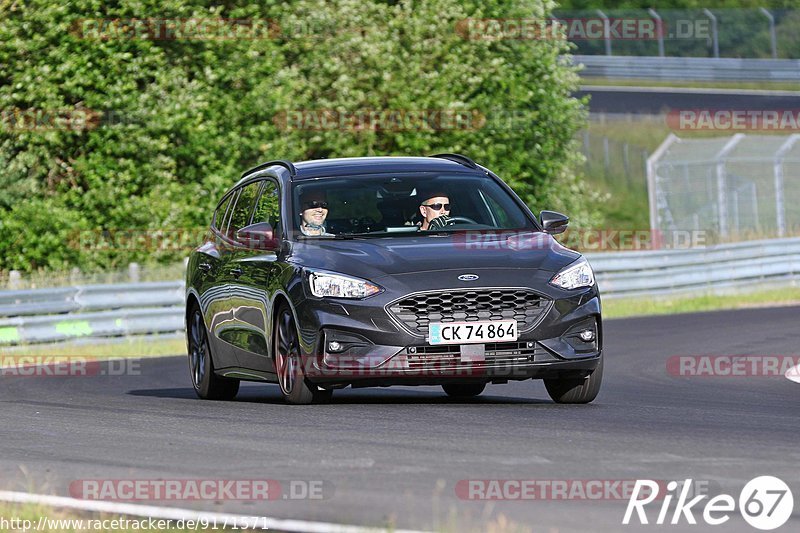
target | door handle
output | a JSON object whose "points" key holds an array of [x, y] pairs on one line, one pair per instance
{"points": [[205, 267], [236, 272]]}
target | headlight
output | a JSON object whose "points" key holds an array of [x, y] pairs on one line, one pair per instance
{"points": [[578, 274], [340, 286]]}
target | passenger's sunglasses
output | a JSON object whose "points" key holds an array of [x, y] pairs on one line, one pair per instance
{"points": [[438, 206], [315, 205]]}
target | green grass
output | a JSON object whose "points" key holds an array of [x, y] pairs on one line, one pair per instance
{"points": [[628, 307], [762, 85], [128, 348]]}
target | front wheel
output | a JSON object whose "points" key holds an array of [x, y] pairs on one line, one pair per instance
{"points": [[295, 387], [206, 383], [571, 390]]}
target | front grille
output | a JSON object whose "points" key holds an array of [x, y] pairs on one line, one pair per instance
{"points": [[418, 310], [497, 354]]}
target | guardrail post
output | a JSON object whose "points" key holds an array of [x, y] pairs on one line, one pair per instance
{"points": [[606, 31], [14, 280], [133, 272], [714, 33], [773, 37], [659, 29]]}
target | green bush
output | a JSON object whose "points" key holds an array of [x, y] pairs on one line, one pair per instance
{"points": [[183, 118]]}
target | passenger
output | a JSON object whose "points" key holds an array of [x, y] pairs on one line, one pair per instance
{"points": [[314, 211]]}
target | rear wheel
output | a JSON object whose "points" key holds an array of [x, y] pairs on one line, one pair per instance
{"points": [[581, 390], [464, 390], [295, 387], [206, 383]]}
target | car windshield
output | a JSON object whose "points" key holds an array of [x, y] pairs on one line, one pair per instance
{"points": [[390, 205]]}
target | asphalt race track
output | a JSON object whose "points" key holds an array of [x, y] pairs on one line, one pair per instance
{"points": [[396, 455], [651, 100]]}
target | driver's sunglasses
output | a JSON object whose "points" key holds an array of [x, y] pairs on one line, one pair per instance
{"points": [[316, 205], [438, 206]]}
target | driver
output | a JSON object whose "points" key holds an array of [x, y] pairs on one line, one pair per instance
{"points": [[435, 210], [313, 212]]}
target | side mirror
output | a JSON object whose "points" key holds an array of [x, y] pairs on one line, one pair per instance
{"points": [[258, 236], [553, 223]]}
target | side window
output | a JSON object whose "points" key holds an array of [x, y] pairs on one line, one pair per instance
{"points": [[240, 216], [219, 214], [268, 206]]}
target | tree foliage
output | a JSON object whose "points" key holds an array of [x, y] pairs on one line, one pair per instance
{"points": [[182, 118]]}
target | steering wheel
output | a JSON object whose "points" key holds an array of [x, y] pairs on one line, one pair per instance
{"points": [[465, 220], [444, 221]]}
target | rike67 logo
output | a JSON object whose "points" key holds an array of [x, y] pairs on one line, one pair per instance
{"points": [[765, 503]]}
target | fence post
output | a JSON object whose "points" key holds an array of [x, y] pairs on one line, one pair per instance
{"points": [[773, 37], [722, 183], [606, 31], [777, 170], [652, 185], [659, 29], [714, 34]]}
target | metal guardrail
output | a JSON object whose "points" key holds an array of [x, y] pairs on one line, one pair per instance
{"points": [[672, 272], [48, 315], [689, 68], [102, 311]]}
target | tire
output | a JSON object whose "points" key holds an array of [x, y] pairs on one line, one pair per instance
{"points": [[582, 390], [296, 389], [206, 383], [461, 390]]}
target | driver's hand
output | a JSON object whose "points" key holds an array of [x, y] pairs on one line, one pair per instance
{"points": [[440, 222]]}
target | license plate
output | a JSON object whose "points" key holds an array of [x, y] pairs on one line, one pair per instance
{"points": [[472, 332]]}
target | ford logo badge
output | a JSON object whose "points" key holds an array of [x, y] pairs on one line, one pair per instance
{"points": [[468, 277]]}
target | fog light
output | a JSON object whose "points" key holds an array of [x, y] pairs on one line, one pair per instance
{"points": [[334, 347], [586, 335], [412, 349]]}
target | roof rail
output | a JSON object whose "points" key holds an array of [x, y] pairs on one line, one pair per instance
{"points": [[458, 158], [280, 162]]}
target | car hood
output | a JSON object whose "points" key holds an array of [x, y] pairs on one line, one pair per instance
{"points": [[373, 258]]}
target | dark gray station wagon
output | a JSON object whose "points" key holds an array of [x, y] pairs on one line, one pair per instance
{"points": [[388, 271]]}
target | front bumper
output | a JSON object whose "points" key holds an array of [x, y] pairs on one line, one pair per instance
{"points": [[376, 349]]}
